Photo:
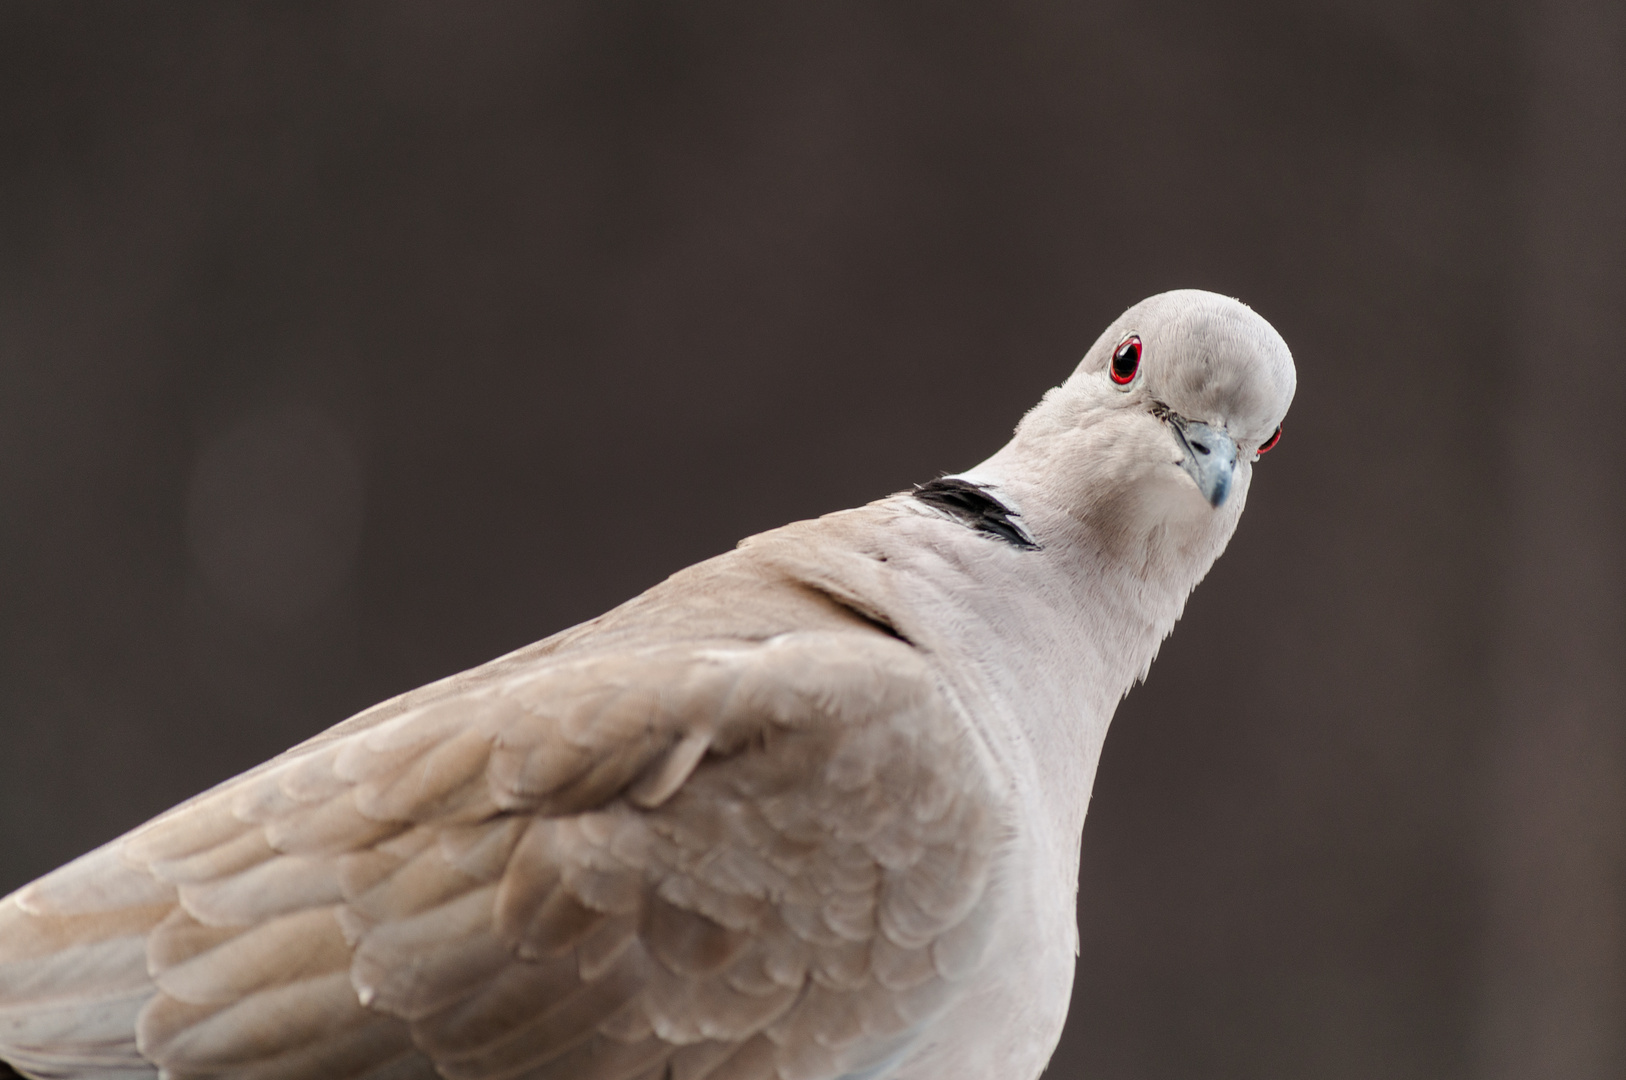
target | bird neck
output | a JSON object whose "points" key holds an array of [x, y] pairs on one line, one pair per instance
{"points": [[1038, 644], [1043, 643]]}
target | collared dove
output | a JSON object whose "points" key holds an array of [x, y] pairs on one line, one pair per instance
{"points": [[807, 810]]}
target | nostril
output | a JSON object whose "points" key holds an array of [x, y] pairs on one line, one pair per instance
{"points": [[1199, 447]]}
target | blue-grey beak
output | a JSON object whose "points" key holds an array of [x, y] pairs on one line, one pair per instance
{"points": [[1208, 456]]}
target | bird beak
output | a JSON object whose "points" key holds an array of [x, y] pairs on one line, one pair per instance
{"points": [[1208, 455]]}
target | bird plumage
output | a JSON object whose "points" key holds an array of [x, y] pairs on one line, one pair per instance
{"points": [[808, 810]]}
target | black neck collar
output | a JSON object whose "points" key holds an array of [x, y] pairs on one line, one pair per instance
{"points": [[972, 506]]}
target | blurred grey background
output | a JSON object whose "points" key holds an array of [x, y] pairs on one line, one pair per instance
{"points": [[346, 346]]}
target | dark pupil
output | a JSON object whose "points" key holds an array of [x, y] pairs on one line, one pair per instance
{"points": [[1123, 362]]}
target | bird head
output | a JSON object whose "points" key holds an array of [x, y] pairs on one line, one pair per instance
{"points": [[1149, 446]]}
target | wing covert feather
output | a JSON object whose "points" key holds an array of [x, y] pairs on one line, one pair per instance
{"points": [[707, 860]]}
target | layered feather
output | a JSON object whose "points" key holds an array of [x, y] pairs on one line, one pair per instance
{"points": [[719, 858]]}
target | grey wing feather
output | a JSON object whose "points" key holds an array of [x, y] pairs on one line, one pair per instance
{"points": [[708, 860]]}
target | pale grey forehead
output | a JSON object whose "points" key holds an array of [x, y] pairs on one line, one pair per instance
{"points": [[1207, 356]]}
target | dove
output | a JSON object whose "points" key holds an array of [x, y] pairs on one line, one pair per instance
{"points": [[807, 810]]}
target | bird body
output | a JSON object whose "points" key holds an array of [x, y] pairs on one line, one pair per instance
{"points": [[808, 810]]}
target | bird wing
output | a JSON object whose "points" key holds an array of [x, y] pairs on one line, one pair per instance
{"points": [[714, 859]]}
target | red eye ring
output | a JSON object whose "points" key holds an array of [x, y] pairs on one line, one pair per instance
{"points": [[1125, 361], [1275, 437]]}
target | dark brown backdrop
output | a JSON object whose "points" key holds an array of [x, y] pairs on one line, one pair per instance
{"points": [[342, 347]]}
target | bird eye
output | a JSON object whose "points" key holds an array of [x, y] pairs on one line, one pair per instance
{"points": [[1275, 437], [1126, 361]]}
